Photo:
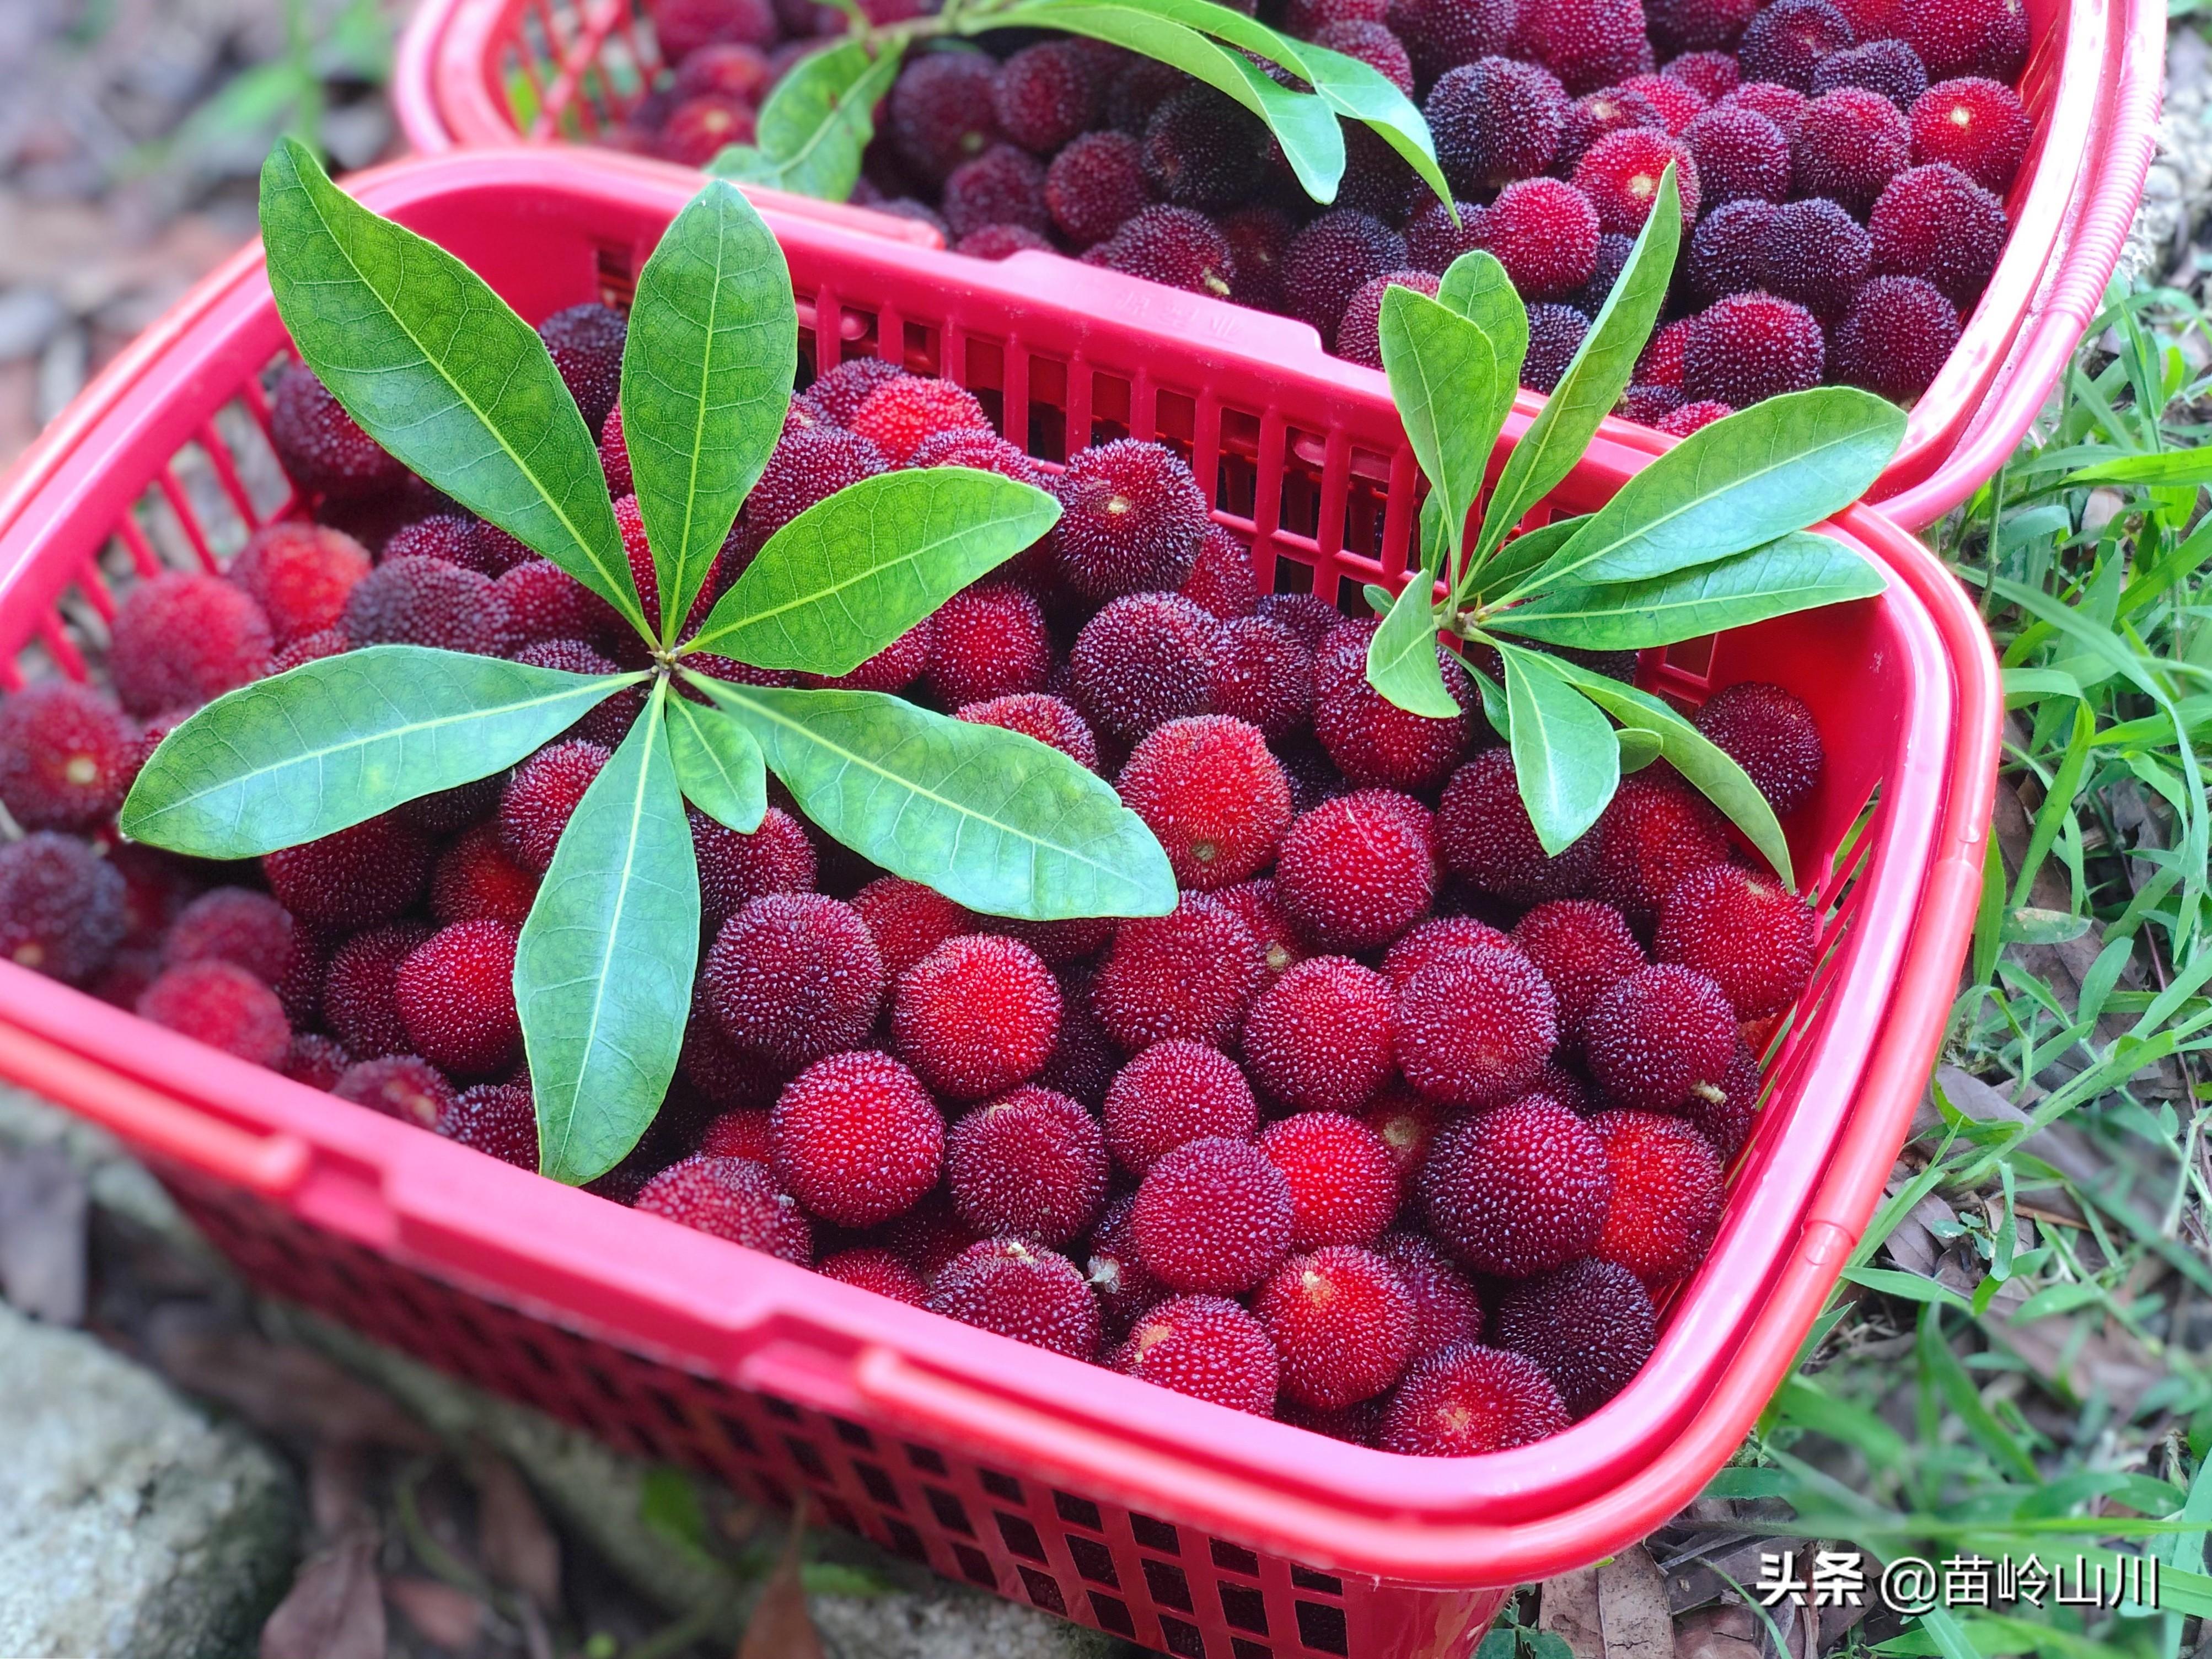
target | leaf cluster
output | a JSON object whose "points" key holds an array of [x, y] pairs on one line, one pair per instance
{"points": [[820, 116], [440, 370], [1711, 535]]}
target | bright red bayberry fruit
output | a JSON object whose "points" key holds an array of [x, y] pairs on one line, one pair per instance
{"points": [[1022, 1290], [1205, 1346], [1214, 1215], [1319, 1038], [1470, 1400], [977, 1016], [1029, 1164], [1519, 1190], [1344, 1180], [1343, 1321], [1748, 934], [1172, 1093], [857, 1139], [731, 1198]]}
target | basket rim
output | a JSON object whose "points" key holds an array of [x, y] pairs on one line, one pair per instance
{"points": [[1493, 1519], [2069, 223]]}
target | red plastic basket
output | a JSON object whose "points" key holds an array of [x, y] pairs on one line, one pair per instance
{"points": [[2091, 88], [1186, 1526]]}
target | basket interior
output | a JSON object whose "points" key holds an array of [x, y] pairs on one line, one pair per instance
{"points": [[1316, 473]]}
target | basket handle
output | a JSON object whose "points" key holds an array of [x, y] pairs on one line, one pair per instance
{"points": [[272, 1165]]}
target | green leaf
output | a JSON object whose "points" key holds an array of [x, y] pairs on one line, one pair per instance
{"points": [[440, 370], [718, 765], [1778, 466], [1796, 572], [1361, 91], [850, 575], [1702, 764], [1596, 376], [1439, 364], [990, 818], [1522, 554], [1639, 747], [817, 121], [2172, 466], [705, 383], [602, 973], [1301, 123], [1402, 658], [1478, 289], [1493, 699], [333, 743], [1563, 751]]}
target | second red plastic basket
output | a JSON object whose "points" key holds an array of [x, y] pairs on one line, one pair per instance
{"points": [[1188, 1527], [477, 72]]}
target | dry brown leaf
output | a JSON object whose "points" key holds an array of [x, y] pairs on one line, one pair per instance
{"points": [[1631, 1604], [443, 1616], [283, 1388], [334, 1609], [1727, 1631], [1569, 1609], [43, 1210], [781, 1627], [513, 1540]]}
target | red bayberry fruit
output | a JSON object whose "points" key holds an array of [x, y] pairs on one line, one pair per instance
{"points": [[1654, 832], [1190, 974], [1587, 43], [1374, 740], [1583, 948], [1433, 241], [1205, 1346], [1145, 659], [1031, 1165], [1676, 102], [1544, 232], [731, 1198], [878, 1271], [1816, 254], [1262, 675], [988, 641], [1590, 1326], [1746, 932], [1666, 1199], [455, 993], [1447, 1312], [1748, 347], [1202, 150], [1851, 143], [1887, 67], [299, 574], [1474, 1029], [1343, 1181], [1357, 872], [1711, 73], [793, 976], [223, 1005], [1132, 518], [1786, 42], [740, 1133], [1895, 339], [1217, 799], [358, 1000], [235, 925], [586, 341], [1319, 1038], [1408, 1125], [1741, 155], [351, 877], [1519, 1190], [1986, 38], [321, 447], [1555, 334], [908, 921], [476, 881], [1213, 1215], [416, 601], [1935, 222], [1343, 1321], [183, 637], [899, 414], [977, 1016], [541, 601], [1172, 1093], [1443, 940], [1257, 239], [1657, 1036], [894, 668], [1044, 95], [1095, 185], [1020, 1290], [67, 756], [1771, 735], [539, 800], [840, 391], [856, 1137], [1221, 582], [736, 869], [1468, 1401], [1488, 837], [1117, 1274], [1176, 246], [1978, 125], [1620, 172], [320, 1061], [404, 1086], [1332, 259], [1728, 251], [1038, 714]]}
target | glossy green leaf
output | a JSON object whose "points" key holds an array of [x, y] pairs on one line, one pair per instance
{"points": [[850, 575], [993, 819], [1707, 769], [1476, 286], [1777, 466], [1442, 368], [1301, 123], [1522, 554], [1493, 695], [1401, 657], [1639, 747], [1796, 572], [334, 742], [440, 370], [1596, 376], [1364, 92], [602, 973], [1565, 754], [705, 383], [817, 121], [718, 765]]}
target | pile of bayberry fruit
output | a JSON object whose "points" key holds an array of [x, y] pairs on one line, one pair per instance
{"points": [[1845, 164], [1392, 1128]]}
